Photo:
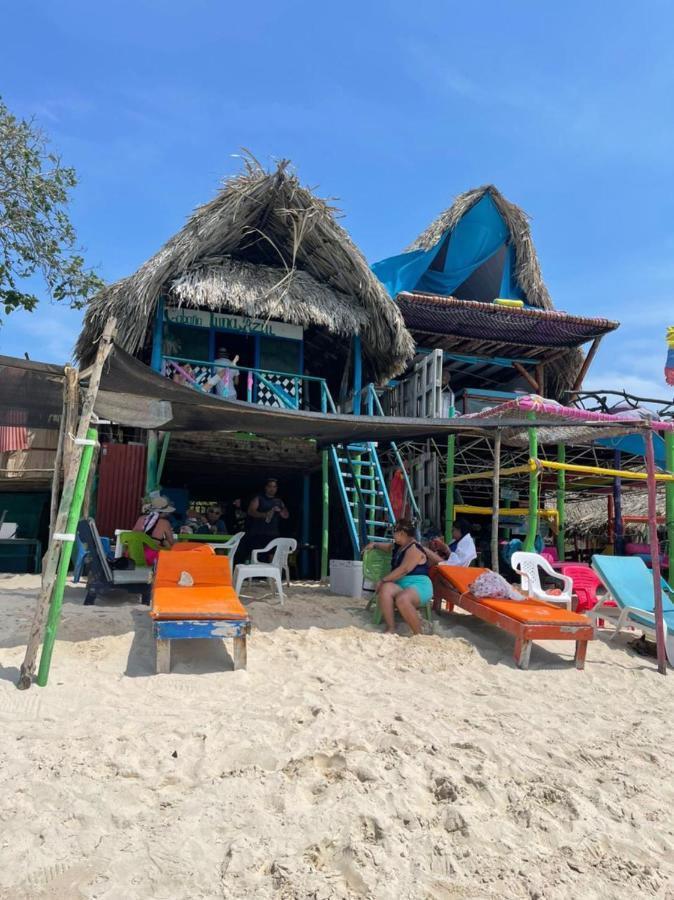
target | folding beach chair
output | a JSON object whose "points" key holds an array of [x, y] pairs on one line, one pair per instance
{"points": [[101, 577], [629, 582]]}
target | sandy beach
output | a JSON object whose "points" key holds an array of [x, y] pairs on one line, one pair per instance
{"points": [[341, 764]]}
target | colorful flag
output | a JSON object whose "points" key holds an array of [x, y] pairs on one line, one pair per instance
{"points": [[669, 365]]}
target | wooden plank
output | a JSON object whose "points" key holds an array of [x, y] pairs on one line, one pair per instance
{"points": [[186, 629]]}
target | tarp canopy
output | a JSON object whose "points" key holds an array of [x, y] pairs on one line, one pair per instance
{"points": [[480, 239], [31, 393]]}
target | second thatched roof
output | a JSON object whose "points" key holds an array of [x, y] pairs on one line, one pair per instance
{"points": [[264, 247]]}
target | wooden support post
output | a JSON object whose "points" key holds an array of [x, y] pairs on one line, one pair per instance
{"points": [[163, 656], [158, 336], [357, 374], [518, 367], [69, 403], [496, 500], [325, 513], [561, 503], [66, 553], [89, 492], [532, 527], [449, 490], [239, 653], [669, 501], [587, 362], [540, 378], [306, 521], [619, 530], [655, 552], [53, 554]]}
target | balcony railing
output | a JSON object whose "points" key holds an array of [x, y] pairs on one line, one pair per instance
{"points": [[265, 387]]}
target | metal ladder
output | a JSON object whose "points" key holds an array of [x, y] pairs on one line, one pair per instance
{"points": [[362, 490]]}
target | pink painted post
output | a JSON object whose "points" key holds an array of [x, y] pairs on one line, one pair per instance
{"points": [[655, 551]]}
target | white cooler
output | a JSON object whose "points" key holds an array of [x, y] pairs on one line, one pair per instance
{"points": [[346, 577]]}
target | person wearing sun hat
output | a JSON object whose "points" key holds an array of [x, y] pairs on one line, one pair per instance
{"points": [[155, 523]]}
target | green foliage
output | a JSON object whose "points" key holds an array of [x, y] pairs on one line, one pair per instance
{"points": [[36, 235]]}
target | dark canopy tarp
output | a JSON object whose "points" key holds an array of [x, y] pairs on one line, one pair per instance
{"points": [[31, 393], [132, 394]]}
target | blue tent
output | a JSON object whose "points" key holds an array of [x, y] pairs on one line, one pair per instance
{"points": [[473, 260]]}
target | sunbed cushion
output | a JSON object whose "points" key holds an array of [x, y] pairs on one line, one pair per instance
{"points": [[532, 612], [197, 603], [460, 577], [206, 569], [525, 611]]}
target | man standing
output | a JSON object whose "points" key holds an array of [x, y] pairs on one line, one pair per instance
{"points": [[263, 523]]}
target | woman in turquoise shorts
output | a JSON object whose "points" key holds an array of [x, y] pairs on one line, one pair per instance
{"points": [[407, 586]]}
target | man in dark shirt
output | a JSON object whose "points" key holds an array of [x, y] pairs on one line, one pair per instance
{"points": [[263, 522]]}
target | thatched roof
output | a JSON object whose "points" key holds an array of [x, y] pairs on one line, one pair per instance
{"points": [[527, 266], [266, 247], [588, 517]]}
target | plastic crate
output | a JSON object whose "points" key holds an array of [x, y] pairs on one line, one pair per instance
{"points": [[346, 577]]}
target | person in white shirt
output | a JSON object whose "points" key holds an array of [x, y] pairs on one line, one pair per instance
{"points": [[461, 551], [225, 380]]}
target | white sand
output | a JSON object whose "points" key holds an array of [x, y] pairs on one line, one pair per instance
{"points": [[341, 764]]}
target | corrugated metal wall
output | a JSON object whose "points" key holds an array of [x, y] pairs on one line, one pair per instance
{"points": [[121, 484]]}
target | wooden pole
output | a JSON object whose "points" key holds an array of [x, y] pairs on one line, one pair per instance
{"points": [[587, 362], [669, 501], [151, 463], [496, 500], [655, 552], [527, 377], [54, 550], [60, 583], [87, 502], [72, 412], [162, 456], [449, 490], [561, 503], [58, 459], [532, 527]]}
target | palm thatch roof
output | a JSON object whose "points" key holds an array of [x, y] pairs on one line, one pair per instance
{"points": [[265, 247], [527, 267], [589, 517]]}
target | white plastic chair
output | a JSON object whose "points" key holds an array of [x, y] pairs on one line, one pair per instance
{"points": [[274, 570], [232, 545], [526, 565]]}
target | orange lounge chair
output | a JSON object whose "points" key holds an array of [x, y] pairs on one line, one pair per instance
{"points": [[208, 608], [527, 620]]}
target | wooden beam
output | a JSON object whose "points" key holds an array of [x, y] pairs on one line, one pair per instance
{"points": [[527, 377], [496, 500], [587, 362]]}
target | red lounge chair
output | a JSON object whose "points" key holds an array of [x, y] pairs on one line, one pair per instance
{"points": [[527, 620]]}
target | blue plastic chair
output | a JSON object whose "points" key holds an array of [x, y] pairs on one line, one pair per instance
{"points": [[630, 583], [81, 556]]}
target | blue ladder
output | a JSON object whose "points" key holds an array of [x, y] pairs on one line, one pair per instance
{"points": [[362, 490]]}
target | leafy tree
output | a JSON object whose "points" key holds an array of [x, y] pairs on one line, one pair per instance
{"points": [[36, 235]]}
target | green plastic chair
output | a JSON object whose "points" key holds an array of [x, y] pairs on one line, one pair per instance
{"points": [[134, 541], [376, 564]]}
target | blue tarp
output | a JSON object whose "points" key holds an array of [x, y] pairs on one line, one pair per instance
{"points": [[477, 237], [634, 444]]}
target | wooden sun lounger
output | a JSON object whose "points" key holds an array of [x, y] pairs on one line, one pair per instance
{"points": [[526, 620], [210, 608]]}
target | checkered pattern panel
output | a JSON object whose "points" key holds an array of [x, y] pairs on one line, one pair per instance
{"points": [[265, 397]]}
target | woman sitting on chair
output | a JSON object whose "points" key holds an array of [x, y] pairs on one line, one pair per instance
{"points": [[461, 552], [407, 586], [155, 523]]}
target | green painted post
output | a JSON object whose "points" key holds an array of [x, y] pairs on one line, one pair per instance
{"points": [[162, 456], [326, 515], [669, 500], [561, 502], [151, 463], [532, 528], [66, 553]]}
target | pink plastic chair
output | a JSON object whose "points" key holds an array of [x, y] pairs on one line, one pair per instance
{"points": [[550, 553], [585, 584]]}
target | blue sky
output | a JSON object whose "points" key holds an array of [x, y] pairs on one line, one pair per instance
{"points": [[392, 108]]}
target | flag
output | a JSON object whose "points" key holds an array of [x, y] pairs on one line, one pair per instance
{"points": [[669, 365]]}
